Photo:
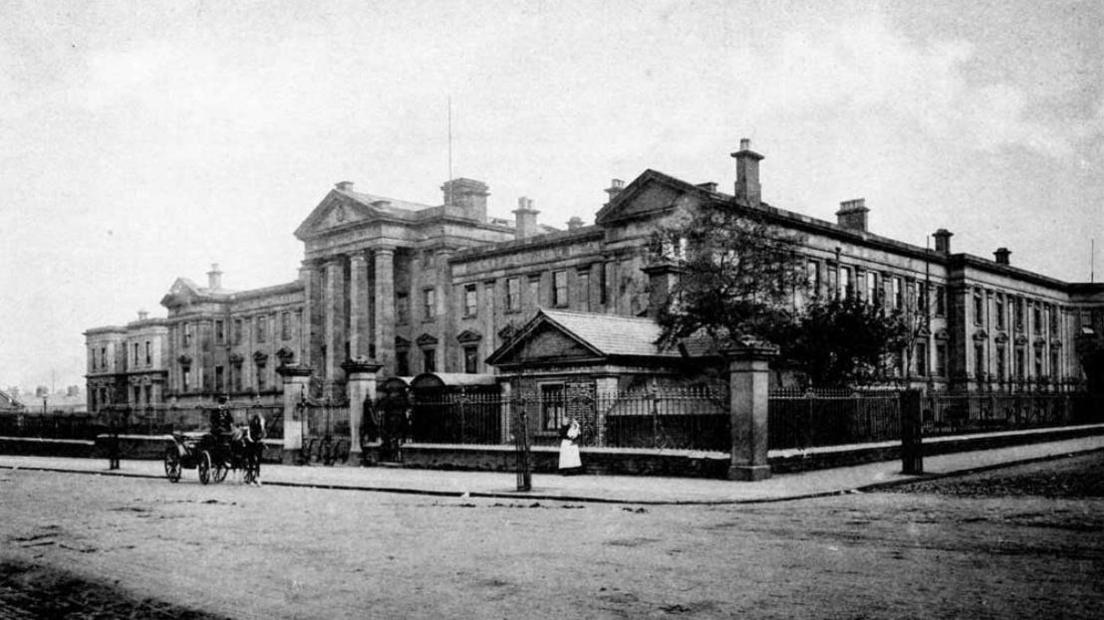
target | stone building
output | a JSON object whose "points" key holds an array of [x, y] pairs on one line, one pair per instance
{"points": [[438, 288], [127, 365]]}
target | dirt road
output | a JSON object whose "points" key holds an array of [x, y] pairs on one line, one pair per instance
{"points": [[949, 548]]}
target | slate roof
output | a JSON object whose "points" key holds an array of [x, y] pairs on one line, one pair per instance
{"points": [[612, 334]]}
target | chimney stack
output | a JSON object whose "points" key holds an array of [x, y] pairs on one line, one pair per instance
{"points": [[943, 240], [852, 214], [1002, 256], [345, 186], [214, 278], [143, 315], [575, 223], [468, 194], [616, 185], [748, 190], [526, 219]]}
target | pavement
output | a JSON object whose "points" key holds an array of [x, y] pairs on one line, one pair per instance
{"points": [[594, 488]]}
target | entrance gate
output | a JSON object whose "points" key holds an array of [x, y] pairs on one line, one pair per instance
{"points": [[325, 432]]}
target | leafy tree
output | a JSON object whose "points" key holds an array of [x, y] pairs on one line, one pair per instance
{"points": [[841, 341], [738, 275]]}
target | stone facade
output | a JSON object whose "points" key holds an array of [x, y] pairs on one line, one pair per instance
{"points": [[439, 288]]}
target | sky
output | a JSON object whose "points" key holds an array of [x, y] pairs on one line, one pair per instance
{"points": [[143, 141]]}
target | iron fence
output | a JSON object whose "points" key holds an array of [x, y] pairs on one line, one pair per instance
{"points": [[830, 418], [949, 414], [154, 420]]}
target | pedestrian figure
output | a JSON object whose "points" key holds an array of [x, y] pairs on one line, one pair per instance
{"points": [[254, 446], [113, 440], [570, 461]]}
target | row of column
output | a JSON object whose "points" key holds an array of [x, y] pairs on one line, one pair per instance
{"points": [[357, 311]]}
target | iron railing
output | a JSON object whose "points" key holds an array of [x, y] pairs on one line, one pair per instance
{"points": [[151, 420], [829, 418]]}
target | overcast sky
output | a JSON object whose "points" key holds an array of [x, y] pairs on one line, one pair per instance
{"points": [[141, 142]]}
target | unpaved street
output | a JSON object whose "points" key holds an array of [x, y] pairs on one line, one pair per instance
{"points": [[986, 546]]}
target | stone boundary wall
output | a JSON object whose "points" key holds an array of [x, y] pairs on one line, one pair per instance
{"points": [[599, 461]]}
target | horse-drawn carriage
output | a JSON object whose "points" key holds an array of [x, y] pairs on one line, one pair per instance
{"points": [[212, 456]]}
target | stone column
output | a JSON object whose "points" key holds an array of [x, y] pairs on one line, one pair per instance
{"points": [[360, 377], [506, 394], [447, 347], [334, 322], [311, 327], [296, 384], [384, 298], [749, 374], [358, 306]]}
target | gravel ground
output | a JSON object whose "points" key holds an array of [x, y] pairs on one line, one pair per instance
{"points": [[1018, 542]]}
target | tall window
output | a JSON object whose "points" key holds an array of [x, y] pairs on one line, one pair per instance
{"points": [[402, 308], [219, 378], [922, 359], [534, 290], [584, 290], [812, 277], [429, 360], [471, 359], [559, 288], [513, 294], [471, 300], [1055, 364], [238, 329], [872, 287], [979, 361], [185, 379], [1018, 311], [285, 325], [941, 359], [1037, 317], [1053, 319], [187, 332], [220, 332], [922, 298], [262, 329], [1021, 363], [603, 278], [429, 305], [845, 282], [135, 354], [103, 358], [979, 307], [402, 363], [1038, 362], [149, 353], [552, 406], [1002, 355], [940, 300], [898, 294], [1000, 311], [262, 378]]}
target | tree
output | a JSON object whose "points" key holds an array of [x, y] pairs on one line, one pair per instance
{"points": [[738, 276], [842, 341]]}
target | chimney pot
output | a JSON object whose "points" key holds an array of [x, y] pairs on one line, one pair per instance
{"points": [[616, 185], [574, 223], [943, 240], [525, 219], [143, 315], [214, 278], [1002, 256], [748, 189], [345, 186], [852, 214]]}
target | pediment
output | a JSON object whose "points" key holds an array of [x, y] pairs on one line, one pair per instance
{"points": [[652, 194], [543, 341], [335, 211], [426, 340], [468, 335], [181, 293], [401, 343]]}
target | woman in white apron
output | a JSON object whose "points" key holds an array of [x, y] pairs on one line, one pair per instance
{"points": [[570, 463]]}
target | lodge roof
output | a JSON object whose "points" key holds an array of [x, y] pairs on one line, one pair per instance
{"points": [[611, 334]]}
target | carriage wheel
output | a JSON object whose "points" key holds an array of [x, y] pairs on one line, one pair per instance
{"points": [[204, 467], [172, 465], [221, 469]]}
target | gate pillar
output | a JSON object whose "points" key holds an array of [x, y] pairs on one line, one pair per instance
{"points": [[296, 384], [749, 386], [360, 383]]}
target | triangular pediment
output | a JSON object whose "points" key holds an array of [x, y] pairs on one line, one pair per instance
{"points": [[543, 341], [336, 210], [652, 194], [182, 292]]}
